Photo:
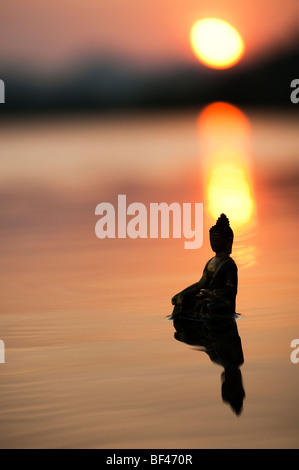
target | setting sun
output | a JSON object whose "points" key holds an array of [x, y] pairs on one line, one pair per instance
{"points": [[216, 43]]}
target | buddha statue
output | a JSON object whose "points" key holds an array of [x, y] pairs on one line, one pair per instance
{"points": [[215, 293]]}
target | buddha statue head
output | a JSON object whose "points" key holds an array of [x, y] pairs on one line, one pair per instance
{"points": [[221, 236]]}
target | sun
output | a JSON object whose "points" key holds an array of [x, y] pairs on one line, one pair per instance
{"points": [[216, 43]]}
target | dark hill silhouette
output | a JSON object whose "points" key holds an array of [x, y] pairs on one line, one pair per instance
{"points": [[99, 85]]}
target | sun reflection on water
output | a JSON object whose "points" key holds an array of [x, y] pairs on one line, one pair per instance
{"points": [[224, 134]]}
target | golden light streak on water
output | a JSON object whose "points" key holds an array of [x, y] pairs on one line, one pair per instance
{"points": [[224, 135]]}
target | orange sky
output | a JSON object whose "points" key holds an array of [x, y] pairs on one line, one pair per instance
{"points": [[53, 33]]}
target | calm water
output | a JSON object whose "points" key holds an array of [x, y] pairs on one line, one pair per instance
{"points": [[91, 359]]}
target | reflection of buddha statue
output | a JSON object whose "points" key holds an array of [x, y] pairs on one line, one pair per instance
{"points": [[219, 338], [215, 293]]}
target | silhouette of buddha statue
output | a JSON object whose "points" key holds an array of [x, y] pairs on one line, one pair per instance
{"points": [[215, 293]]}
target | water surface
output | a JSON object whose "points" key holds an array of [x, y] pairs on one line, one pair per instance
{"points": [[91, 359]]}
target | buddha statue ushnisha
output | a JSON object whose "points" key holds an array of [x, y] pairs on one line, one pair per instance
{"points": [[215, 293]]}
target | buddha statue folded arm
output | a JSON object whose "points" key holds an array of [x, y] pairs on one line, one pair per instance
{"points": [[194, 289]]}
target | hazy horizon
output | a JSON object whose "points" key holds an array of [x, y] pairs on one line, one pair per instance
{"points": [[52, 36]]}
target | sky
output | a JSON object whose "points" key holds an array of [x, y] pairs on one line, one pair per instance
{"points": [[53, 34]]}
